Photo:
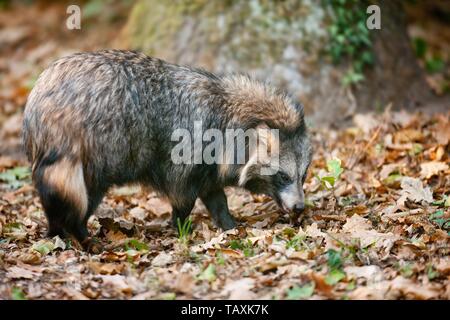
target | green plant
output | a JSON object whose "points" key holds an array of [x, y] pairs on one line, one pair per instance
{"points": [[334, 171], [349, 37], [434, 64], [134, 244], [444, 202], [334, 259], [184, 230], [245, 246], [301, 292], [440, 220], [16, 177], [209, 274], [296, 243], [18, 294], [406, 270], [220, 259], [335, 263], [431, 272], [420, 47]]}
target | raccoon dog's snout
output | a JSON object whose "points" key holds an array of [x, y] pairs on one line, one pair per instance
{"points": [[298, 208]]}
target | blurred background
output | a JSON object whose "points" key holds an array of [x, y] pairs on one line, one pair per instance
{"points": [[319, 51]]}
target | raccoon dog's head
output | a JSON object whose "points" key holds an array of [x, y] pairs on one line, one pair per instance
{"points": [[281, 177]]}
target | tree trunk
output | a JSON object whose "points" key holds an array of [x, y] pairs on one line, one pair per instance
{"points": [[283, 43], [396, 76]]}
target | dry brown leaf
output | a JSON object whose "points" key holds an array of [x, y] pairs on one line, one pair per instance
{"points": [[114, 256], [360, 228], [185, 283], [158, 206], [412, 289], [18, 272], [429, 169], [371, 273], [161, 260], [240, 289], [375, 291], [408, 135], [413, 190], [106, 268], [387, 169], [117, 281], [74, 294], [443, 266], [321, 286], [442, 132], [138, 213]]}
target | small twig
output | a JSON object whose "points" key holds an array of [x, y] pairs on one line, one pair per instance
{"points": [[359, 154], [330, 217]]}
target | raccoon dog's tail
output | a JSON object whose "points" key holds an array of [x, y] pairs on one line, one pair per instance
{"points": [[62, 189]]}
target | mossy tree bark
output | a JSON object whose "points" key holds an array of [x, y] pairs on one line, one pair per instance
{"points": [[280, 42]]}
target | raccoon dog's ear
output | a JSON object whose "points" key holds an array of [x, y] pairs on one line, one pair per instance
{"points": [[263, 153]]}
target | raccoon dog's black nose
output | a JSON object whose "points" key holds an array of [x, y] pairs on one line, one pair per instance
{"points": [[299, 207]]}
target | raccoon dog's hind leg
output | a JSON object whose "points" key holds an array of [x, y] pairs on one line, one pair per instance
{"points": [[61, 187]]}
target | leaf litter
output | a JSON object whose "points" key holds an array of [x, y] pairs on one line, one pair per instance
{"points": [[376, 226]]}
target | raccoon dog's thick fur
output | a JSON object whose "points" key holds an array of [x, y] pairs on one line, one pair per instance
{"points": [[105, 118]]}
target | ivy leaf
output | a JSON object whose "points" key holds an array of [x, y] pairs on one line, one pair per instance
{"points": [[208, 274], [301, 292], [334, 276], [136, 245], [334, 167], [44, 247], [334, 259], [18, 294]]}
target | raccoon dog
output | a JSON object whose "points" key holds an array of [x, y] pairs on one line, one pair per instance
{"points": [[106, 118]]}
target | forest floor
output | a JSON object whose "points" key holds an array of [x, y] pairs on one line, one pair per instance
{"points": [[380, 232]]}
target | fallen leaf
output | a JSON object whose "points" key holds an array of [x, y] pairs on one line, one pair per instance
{"points": [[429, 169], [240, 289], [301, 292], [209, 274], [387, 169], [371, 273], [161, 260], [360, 228], [117, 281], [158, 206], [414, 290], [413, 190], [138, 213], [16, 272], [408, 135], [106, 268]]}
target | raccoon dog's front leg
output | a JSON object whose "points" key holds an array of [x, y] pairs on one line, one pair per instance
{"points": [[216, 203]]}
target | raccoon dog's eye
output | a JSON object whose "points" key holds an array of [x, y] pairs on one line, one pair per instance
{"points": [[285, 178]]}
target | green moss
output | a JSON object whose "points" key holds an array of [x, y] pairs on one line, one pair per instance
{"points": [[252, 32], [349, 37]]}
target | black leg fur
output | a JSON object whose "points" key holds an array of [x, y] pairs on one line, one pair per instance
{"points": [[216, 203]]}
